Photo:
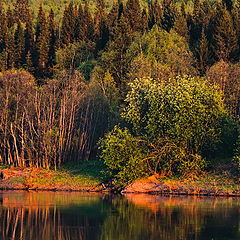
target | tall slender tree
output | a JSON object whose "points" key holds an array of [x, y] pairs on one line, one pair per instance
{"points": [[68, 25], [52, 42], [225, 38], [133, 14], [19, 45]]}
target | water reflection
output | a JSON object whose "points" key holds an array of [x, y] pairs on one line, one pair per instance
{"points": [[65, 216]]}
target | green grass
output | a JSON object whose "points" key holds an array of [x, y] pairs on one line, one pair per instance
{"points": [[71, 176]]}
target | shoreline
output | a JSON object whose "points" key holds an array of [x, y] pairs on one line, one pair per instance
{"points": [[32, 179]]}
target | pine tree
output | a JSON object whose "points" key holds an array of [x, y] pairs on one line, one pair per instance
{"points": [[10, 49], [29, 48], [101, 31], [133, 14], [203, 53], [181, 26], [21, 10], [114, 15], [68, 25], [42, 44], [10, 18], [225, 37], [88, 21], [52, 42], [40, 23], [155, 14], [19, 45], [3, 28], [144, 18], [80, 27], [115, 59], [195, 24], [168, 17]]}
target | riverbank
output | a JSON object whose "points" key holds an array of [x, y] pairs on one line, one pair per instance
{"points": [[87, 177], [72, 177]]}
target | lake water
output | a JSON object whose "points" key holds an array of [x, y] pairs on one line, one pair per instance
{"points": [[80, 216]]}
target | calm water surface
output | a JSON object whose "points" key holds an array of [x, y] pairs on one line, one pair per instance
{"points": [[80, 216]]}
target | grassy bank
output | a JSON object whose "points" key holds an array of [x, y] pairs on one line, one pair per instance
{"points": [[87, 176], [71, 177]]}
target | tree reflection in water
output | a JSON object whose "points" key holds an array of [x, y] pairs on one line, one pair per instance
{"points": [[65, 216]]}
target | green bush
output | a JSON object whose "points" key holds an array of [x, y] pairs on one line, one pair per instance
{"points": [[175, 122], [124, 155], [186, 110]]}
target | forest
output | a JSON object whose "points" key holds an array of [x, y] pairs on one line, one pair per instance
{"points": [[144, 86]]}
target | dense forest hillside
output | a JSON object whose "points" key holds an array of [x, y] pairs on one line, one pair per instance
{"points": [[158, 82]]}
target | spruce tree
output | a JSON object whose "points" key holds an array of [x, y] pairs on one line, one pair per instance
{"points": [[40, 23], [42, 45], [68, 25], [80, 27], [225, 37], [181, 26], [133, 13], [21, 10], [3, 28], [115, 57], [101, 31], [168, 17], [10, 49], [144, 18], [19, 45], [155, 14], [195, 24], [203, 53], [29, 46], [88, 21], [114, 15], [10, 18], [52, 42]]}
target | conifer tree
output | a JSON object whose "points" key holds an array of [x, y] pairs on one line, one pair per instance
{"points": [[88, 21], [236, 21], [52, 42], [3, 28], [144, 21], [225, 38], [207, 13], [10, 18], [203, 53], [114, 15], [133, 14], [80, 27], [19, 45], [68, 25], [21, 10], [168, 17], [10, 49], [114, 58], [40, 23], [155, 14], [28, 43], [195, 23], [42, 45], [181, 26], [101, 31]]}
